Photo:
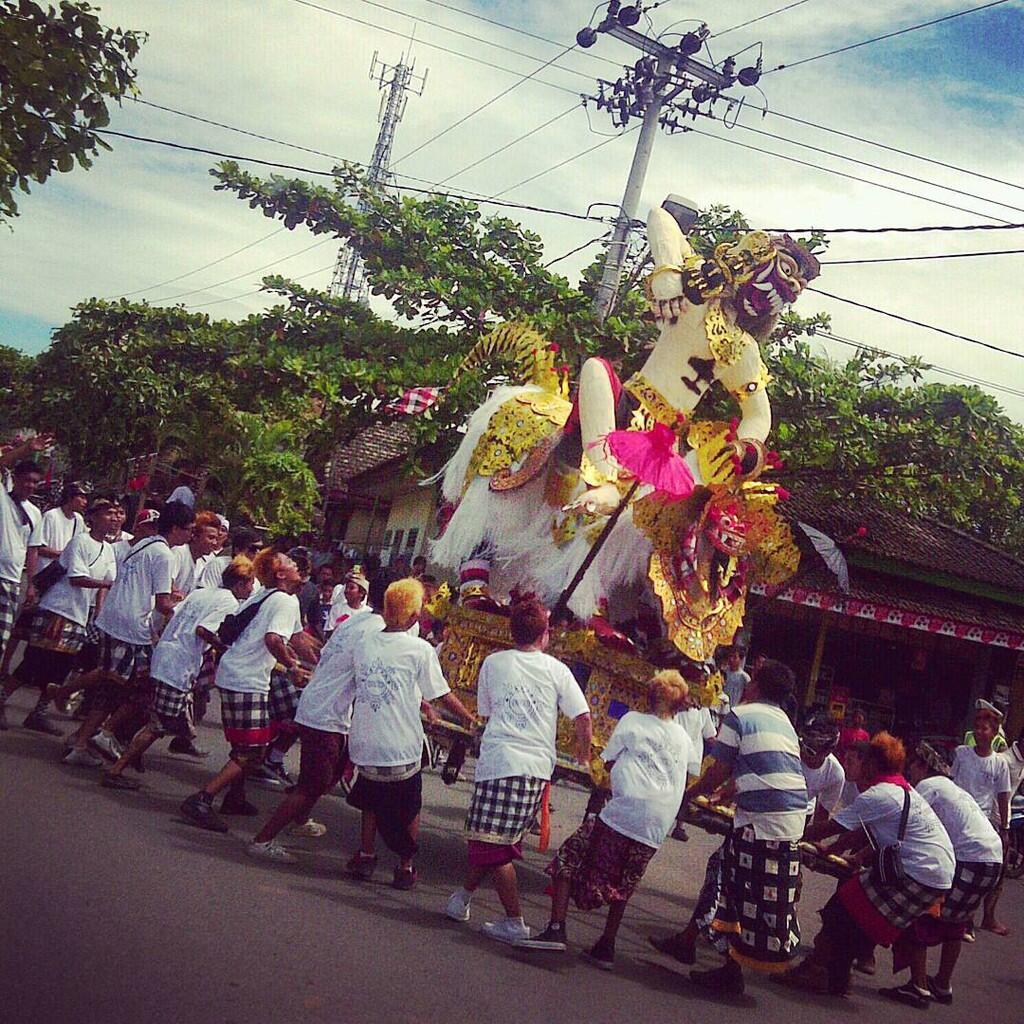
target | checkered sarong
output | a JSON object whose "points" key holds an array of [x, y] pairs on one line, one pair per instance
{"points": [[502, 810], [55, 633], [760, 889], [9, 595], [900, 903], [972, 882], [119, 658], [246, 719], [283, 699], [167, 701]]}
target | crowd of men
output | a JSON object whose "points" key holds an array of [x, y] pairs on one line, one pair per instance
{"points": [[130, 631]]}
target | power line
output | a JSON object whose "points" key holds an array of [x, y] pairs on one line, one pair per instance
{"points": [[572, 252], [843, 174], [205, 266], [761, 17], [891, 149], [918, 323], [232, 128], [888, 35], [818, 332], [483, 106], [509, 145], [247, 273], [438, 46], [477, 39], [878, 167], [933, 256], [258, 291], [330, 174], [894, 230]]}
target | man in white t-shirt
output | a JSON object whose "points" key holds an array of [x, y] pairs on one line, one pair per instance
{"points": [[699, 725], [126, 636], [18, 518], [192, 558], [986, 776], [823, 773], [520, 692], [177, 658], [56, 528], [349, 598], [243, 679], [184, 480], [736, 679], [391, 674]]}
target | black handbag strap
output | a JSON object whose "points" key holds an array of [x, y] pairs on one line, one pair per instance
{"points": [[904, 816]]}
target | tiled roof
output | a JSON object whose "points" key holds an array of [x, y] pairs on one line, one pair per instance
{"points": [[368, 450], [913, 540]]}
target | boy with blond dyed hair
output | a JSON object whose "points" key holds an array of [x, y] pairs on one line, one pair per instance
{"points": [[389, 675]]}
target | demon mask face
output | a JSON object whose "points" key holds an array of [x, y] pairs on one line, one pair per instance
{"points": [[779, 281], [726, 529]]}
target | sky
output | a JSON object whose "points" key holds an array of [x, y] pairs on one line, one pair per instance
{"points": [[146, 223]]}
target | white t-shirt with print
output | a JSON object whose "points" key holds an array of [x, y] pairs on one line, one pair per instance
{"points": [[390, 674], [648, 777], [825, 784], [183, 494], [341, 611], [320, 706], [246, 665], [699, 725], [983, 777], [82, 558], [188, 570], [18, 519], [144, 572], [520, 694], [54, 530], [926, 852], [178, 655], [974, 839]]}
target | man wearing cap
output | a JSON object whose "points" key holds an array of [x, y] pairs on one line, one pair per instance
{"points": [[349, 598], [999, 744], [823, 773]]}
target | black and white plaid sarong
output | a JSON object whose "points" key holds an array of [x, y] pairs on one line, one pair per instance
{"points": [[283, 699], [128, 662], [502, 810], [972, 882], [900, 903], [246, 719], [9, 597]]}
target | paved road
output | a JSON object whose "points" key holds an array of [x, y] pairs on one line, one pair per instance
{"points": [[113, 911]]}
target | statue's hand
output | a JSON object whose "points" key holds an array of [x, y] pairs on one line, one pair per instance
{"points": [[665, 295], [600, 501]]}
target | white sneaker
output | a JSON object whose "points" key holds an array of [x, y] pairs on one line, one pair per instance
{"points": [[309, 829], [270, 851], [457, 907], [108, 744], [509, 929], [82, 758]]}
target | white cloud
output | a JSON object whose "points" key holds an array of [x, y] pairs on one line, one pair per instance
{"points": [[146, 214]]}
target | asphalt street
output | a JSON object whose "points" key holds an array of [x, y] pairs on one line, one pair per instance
{"points": [[112, 910]]}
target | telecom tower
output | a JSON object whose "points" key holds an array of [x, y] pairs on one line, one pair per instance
{"points": [[349, 280]]}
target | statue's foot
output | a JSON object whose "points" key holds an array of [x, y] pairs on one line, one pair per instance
{"points": [[609, 636]]}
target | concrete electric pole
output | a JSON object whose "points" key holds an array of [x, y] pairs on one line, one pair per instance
{"points": [[651, 90], [348, 280]]}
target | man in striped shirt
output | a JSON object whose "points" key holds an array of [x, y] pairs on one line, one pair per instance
{"points": [[758, 749]]}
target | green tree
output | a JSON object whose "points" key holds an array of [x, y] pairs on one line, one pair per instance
{"points": [[15, 409], [58, 68]]}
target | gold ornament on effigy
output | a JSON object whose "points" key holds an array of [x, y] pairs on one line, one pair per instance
{"points": [[656, 407], [726, 340]]}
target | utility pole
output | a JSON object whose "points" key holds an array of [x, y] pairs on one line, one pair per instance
{"points": [[349, 280], [651, 90]]}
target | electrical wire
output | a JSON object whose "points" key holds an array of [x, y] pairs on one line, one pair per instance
{"points": [[851, 177], [562, 163], [883, 145], [477, 39], [509, 145], [579, 248], [761, 17], [258, 291], [895, 230], [874, 349], [248, 273], [438, 46], [917, 323], [877, 167], [888, 35], [205, 266], [483, 106], [330, 174], [933, 256]]}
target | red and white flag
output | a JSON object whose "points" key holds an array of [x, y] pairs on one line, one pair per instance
{"points": [[415, 401]]}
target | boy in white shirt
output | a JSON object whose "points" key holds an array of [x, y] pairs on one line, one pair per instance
{"points": [[605, 859]]}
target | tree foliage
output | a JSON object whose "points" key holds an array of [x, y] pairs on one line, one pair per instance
{"points": [[58, 68]]}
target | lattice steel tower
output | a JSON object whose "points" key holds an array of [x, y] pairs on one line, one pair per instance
{"points": [[395, 80]]}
